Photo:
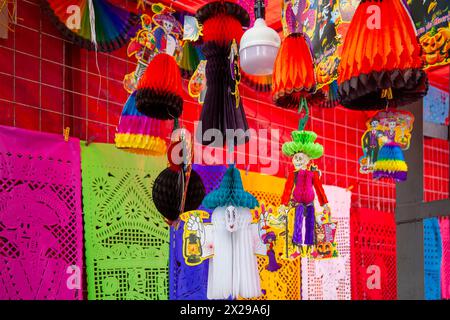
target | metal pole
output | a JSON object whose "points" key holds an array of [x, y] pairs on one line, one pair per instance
{"points": [[410, 255]]}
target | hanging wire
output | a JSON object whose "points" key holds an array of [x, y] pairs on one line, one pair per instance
{"points": [[230, 152], [92, 23]]}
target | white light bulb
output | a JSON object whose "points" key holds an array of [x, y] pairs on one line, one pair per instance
{"points": [[258, 49]]}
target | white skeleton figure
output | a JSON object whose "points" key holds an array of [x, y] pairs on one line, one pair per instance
{"points": [[234, 242]]}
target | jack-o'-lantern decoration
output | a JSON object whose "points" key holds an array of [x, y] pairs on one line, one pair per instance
{"points": [[435, 45], [325, 250], [324, 70]]}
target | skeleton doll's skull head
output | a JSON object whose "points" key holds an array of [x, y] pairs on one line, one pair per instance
{"points": [[231, 218], [300, 160], [168, 26], [392, 124]]}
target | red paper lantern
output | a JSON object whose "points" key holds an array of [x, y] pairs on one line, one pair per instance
{"points": [[381, 58], [293, 73], [159, 90], [222, 28]]}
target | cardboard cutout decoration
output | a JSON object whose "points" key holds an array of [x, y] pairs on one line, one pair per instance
{"points": [[143, 48], [195, 248], [160, 33], [167, 33], [325, 22], [391, 126], [431, 19], [197, 84], [192, 29], [325, 231], [268, 237]]}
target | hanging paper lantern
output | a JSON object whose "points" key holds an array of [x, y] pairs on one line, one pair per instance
{"points": [[138, 133], [168, 190], [391, 163], [256, 82], [178, 188], [114, 26], [293, 74], [159, 89], [259, 45], [222, 109], [381, 59]]}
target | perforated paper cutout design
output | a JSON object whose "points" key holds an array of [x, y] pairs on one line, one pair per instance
{"points": [[444, 224], [330, 279], [127, 241], [284, 284], [40, 216], [374, 255], [432, 248], [436, 106]]}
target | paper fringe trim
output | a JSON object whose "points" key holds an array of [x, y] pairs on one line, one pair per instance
{"points": [[397, 176], [159, 104], [391, 163], [141, 144]]}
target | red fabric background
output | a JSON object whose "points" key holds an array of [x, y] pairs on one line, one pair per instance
{"points": [[48, 84]]}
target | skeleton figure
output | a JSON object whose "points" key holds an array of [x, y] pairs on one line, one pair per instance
{"points": [[143, 48], [167, 32], [299, 191], [370, 141], [390, 134], [136, 282], [300, 185]]}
